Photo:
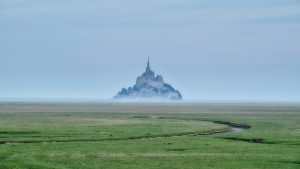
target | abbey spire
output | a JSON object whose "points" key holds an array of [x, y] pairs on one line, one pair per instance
{"points": [[148, 66], [149, 74]]}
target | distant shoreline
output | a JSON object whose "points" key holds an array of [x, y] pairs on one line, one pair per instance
{"points": [[95, 100]]}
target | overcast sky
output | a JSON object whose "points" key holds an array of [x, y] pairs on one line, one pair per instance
{"points": [[210, 50]]}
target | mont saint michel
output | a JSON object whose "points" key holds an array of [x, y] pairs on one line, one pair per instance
{"points": [[149, 86]]}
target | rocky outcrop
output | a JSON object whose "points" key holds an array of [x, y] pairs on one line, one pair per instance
{"points": [[150, 86]]}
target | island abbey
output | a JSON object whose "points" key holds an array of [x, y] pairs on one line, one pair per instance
{"points": [[150, 86]]}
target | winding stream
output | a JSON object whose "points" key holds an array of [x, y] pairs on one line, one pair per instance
{"points": [[232, 127]]}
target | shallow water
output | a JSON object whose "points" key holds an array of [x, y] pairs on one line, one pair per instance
{"points": [[237, 129]]}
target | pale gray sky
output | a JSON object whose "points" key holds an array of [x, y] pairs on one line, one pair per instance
{"points": [[207, 49]]}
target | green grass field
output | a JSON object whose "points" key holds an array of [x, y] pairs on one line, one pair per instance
{"points": [[148, 135]]}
